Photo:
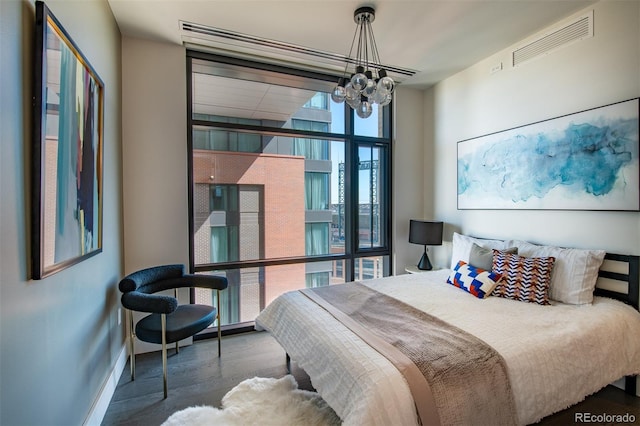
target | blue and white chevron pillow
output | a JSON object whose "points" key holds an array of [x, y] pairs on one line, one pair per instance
{"points": [[473, 280], [527, 279]]}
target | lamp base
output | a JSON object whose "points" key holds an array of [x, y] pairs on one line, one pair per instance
{"points": [[425, 263]]}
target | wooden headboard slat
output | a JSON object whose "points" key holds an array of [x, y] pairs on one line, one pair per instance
{"points": [[614, 276], [632, 279]]}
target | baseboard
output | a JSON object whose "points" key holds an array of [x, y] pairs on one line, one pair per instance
{"points": [[101, 403]]}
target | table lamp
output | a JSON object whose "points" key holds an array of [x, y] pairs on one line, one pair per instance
{"points": [[425, 233]]}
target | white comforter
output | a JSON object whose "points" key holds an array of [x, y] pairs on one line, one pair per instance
{"points": [[556, 355]]}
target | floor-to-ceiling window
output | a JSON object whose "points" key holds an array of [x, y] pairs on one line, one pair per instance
{"points": [[287, 188]]}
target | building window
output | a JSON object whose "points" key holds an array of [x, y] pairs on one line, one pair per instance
{"points": [[316, 191], [224, 244], [318, 279], [288, 189], [317, 239], [319, 100], [311, 149]]}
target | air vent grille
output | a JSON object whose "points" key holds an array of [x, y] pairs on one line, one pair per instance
{"points": [[576, 30], [210, 37]]}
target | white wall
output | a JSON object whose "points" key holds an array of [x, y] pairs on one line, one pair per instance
{"points": [[587, 74], [59, 336]]}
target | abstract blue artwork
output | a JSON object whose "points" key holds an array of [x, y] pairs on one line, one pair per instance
{"points": [[582, 161], [67, 151]]}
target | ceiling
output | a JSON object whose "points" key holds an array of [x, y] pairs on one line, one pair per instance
{"points": [[435, 38]]}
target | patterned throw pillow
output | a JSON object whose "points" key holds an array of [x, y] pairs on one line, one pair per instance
{"points": [[527, 279], [476, 281]]}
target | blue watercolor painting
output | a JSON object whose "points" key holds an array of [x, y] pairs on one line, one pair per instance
{"points": [[583, 161]]}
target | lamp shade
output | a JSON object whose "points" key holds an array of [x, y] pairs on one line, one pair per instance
{"points": [[425, 233]]}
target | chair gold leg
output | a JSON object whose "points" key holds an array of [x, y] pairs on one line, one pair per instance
{"points": [[132, 338], [218, 320], [163, 321], [175, 294]]}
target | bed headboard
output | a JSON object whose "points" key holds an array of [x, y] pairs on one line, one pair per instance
{"points": [[619, 278]]}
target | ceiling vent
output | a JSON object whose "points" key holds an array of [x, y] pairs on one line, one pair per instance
{"points": [[569, 32], [205, 38]]}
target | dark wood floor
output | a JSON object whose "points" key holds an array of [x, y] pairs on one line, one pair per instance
{"points": [[198, 377]]}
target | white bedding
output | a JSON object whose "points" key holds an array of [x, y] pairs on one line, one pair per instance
{"points": [[556, 355]]}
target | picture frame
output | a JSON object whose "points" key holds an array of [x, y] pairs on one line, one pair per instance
{"points": [[582, 161], [67, 151]]}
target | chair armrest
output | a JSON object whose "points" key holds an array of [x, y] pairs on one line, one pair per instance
{"points": [[149, 276], [153, 303], [206, 281]]}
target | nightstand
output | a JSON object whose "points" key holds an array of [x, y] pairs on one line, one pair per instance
{"points": [[413, 269]]}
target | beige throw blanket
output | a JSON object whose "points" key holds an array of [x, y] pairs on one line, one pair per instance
{"points": [[466, 379]]}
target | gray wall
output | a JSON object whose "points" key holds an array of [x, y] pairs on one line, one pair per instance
{"points": [[60, 336], [154, 129], [412, 175], [154, 152]]}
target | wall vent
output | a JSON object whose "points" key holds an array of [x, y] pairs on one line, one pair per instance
{"points": [[579, 28], [202, 37]]}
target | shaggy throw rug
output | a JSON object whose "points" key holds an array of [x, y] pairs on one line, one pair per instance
{"points": [[261, 401]]}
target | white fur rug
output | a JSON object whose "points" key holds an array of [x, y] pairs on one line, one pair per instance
{"points": [[261, 401]]}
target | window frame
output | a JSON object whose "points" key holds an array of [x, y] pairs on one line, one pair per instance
{"points": [[353, 142]]}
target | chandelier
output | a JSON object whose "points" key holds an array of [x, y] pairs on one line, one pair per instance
{"points": [[369, 84]]}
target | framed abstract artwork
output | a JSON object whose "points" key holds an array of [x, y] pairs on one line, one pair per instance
{"points": [[582, 161], [67, 151]]}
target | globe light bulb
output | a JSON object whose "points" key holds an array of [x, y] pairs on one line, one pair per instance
{"points": [[359, 79], [386, 99], [385, 84], [350, 92], [338, 95], [377, 97], [354, 102], [370, 88], [364, 110]]}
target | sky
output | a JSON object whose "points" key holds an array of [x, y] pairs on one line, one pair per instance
{"points": [[365, 127]]}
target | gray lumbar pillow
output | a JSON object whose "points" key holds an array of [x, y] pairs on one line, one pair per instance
{"points": [[482, 257]]}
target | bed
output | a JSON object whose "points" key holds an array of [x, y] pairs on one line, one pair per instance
{"points": [[555, 355]]}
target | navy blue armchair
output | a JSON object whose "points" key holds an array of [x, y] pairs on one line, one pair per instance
{"points": [[167, 322]]}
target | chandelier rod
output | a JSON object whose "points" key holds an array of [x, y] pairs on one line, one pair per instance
{"points": [[366, 42], [346, 65], [376, 55], [359, 52]]}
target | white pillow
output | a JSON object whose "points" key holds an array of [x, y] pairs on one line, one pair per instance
{"points": [[461, 247], [574, 274]]}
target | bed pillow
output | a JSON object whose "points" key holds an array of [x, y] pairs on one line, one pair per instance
{"points": [[575, 272], [526, 279], [461, 247], [476, 281], [482, 257]]}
